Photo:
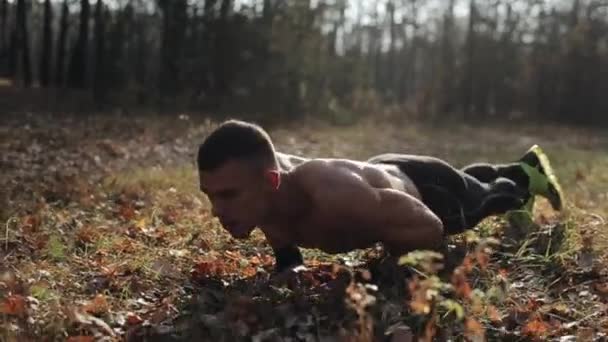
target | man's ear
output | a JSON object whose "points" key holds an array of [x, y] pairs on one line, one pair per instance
{"points": [[274, 177]]}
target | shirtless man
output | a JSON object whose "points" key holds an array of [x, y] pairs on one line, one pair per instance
{"points": [[405, 202]]}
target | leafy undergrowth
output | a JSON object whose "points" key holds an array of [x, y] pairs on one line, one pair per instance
{"points": [[106, 237]]}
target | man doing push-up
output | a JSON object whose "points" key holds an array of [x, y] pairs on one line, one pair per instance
{"points": [[405, 202]]}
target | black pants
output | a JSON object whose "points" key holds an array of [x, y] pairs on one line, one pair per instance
{"points": [[462, 198]]}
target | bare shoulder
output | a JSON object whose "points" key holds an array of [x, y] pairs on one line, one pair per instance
{"points": [[313, 171], [323, 171], [334, 181], [289, 161]]}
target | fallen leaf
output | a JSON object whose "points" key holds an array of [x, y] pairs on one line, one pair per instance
{"points": [[126, 212], [249, 271], [584, 334], [169, 217], [493, 314], [98, 306], [503, 273], [87, 234], [9, 281], [133, 319], [460, 283], [91, 321], [535, 327], [165, 268], [601, 288], [14, 305], [473, 329], [467, 264], [483, 258], [30, 223]]}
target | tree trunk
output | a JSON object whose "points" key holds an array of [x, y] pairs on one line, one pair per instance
{"points": [[173, 33], [468, 89], [222, 43], [413, 60], [23, 42], [47, 38], [63, 31], [78, 63], [446, 76], [3, 25], [390, 8], [99, 80]]}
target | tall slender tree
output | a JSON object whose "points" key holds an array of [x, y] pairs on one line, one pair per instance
{"points": [[99, 79], [47, 45], [3, 25], [61, 42], [77, 77], [22, 42], [469, 73]]}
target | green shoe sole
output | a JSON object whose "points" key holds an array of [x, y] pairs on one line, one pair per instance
{"points": [[554, 192]]}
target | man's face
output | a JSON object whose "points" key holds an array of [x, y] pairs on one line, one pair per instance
{"points": [[239, 193]]}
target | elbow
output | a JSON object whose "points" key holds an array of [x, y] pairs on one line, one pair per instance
{"points": [[435, 234]]}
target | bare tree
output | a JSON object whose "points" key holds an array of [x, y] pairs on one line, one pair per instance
{"points": [[61, 42], [3, 25], [468, 81], [21, 44], [77, 77], [99, 79], [47, 46]]}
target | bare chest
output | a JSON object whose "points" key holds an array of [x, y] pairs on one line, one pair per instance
{"points": [[323, 230]]}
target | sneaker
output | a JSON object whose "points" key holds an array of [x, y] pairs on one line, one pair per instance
{"points": [[543, 181]]}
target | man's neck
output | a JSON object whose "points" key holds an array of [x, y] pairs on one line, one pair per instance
{"points": [[289, 202]]}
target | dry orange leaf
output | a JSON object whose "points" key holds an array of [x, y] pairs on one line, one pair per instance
{"points": [[460, 283], [535, 327], [493, 314], [87, 234], [99, 305], [255, 260], [467, 264], [126, 212], [14, 305], [473, 328], [483, 259], [133, 319], [249, 271], [30, 223]]}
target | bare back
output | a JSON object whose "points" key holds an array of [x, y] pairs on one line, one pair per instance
{"points": [[377, 175]]}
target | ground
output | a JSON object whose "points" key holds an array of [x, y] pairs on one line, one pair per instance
{"points": [[106, 237]]}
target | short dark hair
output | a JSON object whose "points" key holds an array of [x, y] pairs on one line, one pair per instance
{"points": [[235, 139]]}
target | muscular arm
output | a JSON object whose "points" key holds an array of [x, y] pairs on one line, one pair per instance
{"points": [[408, 223]]}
